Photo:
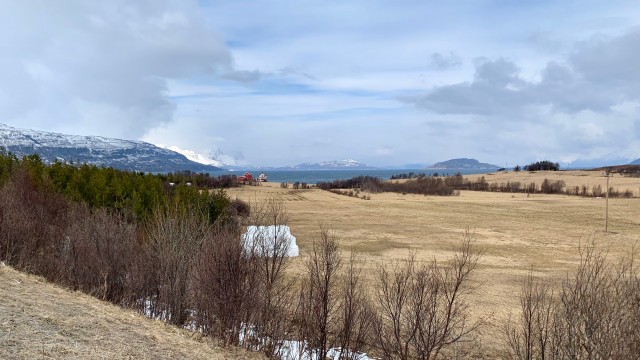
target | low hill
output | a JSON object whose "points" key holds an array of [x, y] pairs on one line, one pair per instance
{"points": [[96, 150], [462, 163], [39, 320]]}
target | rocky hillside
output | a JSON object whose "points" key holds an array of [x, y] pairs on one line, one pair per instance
{"points": [[97, 150]]}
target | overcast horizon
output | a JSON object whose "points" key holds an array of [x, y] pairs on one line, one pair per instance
{"points": [[275, 83]]}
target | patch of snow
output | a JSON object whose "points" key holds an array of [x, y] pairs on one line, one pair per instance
{"points": [[268, 240], [295, 350], [194, 156]]}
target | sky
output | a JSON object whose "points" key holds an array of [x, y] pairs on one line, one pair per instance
{"points": [[275, 83]]}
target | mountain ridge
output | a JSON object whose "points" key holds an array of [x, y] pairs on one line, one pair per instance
{"points": [[346, 164], [120, 154]]}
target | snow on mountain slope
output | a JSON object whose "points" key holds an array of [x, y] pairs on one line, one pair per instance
{"points": [[193, 156], [97, 150]]}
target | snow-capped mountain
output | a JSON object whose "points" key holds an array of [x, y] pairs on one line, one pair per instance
{"points": [[624, 156], [346, 164], [98, 150]]}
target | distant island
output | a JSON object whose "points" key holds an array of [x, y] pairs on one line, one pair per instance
{"points": [[462, 163], [347, 164]]}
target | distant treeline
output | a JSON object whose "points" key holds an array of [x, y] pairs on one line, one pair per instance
{"points": [[423, 185], [201, 180], [409, 175], [451, 185], [544, 165]]}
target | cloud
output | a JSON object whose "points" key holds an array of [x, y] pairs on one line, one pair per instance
{"points": [[494, 90], [596, 76], [243, 76], [101, 67], [446, 61]]}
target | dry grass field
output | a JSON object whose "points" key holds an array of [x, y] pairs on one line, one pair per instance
{"points": [[39, 320], [515, 232], [571, 178]]}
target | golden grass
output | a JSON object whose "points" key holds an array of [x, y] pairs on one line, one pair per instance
{"points": [[515, 232], [39, 320], [571, 178]]}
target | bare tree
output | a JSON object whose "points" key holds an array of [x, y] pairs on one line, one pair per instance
{"points": [[596, 314], [598, 309], [422, 309], [97, 253], [175, 234], [355, 313], [532, 336], [240, 289], [318, 295], [224, 286], [270, 243]]}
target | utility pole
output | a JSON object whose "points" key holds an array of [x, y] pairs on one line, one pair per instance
{"points": [[606, 216]]}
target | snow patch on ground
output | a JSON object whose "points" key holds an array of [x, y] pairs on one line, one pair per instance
{"points": [[270, 239]]}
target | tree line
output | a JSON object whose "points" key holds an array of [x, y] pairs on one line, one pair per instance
{"points": [[452, 185]]}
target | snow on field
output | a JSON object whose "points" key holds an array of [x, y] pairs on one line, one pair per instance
{"points": [[269, 239]]}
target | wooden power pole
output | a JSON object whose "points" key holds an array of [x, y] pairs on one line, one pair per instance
{"points": [[606, 211]]}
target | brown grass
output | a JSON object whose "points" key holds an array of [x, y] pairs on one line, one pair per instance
{"points": [[39, 320], [571, 178], [515, 231]]}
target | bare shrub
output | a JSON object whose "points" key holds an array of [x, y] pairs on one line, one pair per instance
{"points": [[596, 314], [239, 287], [531, 336], [32, 223], [273, 299], [239, 207], [355, 312], [319, 295], [224, 285], [552, 186], [98, 251], [422, 309], [599, 309], [175, 234], [584, 190]]}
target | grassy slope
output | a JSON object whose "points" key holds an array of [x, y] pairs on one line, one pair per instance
{"points": [[43, 321]]}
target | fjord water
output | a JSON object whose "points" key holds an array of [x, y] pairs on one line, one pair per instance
{"points": [[315, 176]]}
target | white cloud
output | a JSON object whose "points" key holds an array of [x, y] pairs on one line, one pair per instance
{"points": [[281, 82], [100, 67]]}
